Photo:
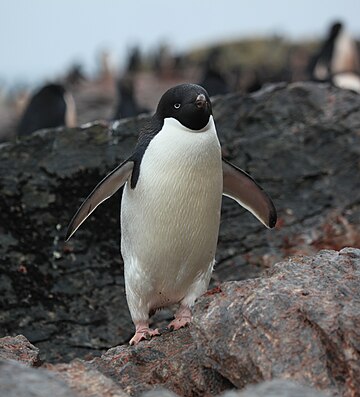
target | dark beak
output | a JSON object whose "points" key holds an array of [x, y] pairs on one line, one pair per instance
{"points": [[200, 101]]}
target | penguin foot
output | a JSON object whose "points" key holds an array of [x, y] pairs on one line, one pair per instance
{"points": [[182, 319], [143, 332]]}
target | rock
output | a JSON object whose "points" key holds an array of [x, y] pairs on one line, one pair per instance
{"points": [[20, 349], [170, 361], [298, 326], [276, 388], [17, 380], [86, 381], [159, 393], [301, 321], [299, 141]]}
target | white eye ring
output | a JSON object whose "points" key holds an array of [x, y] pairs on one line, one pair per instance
{"points": [[177, 105]]}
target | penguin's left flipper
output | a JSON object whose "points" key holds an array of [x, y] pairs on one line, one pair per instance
{"points": [[242, 188], [105, 189]]}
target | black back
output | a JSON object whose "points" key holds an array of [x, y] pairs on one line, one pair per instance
{"points": [[213, 80], [46, 109], [127, 105], [324, 56]]}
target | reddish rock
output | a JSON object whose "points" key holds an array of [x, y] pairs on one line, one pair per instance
{"points": [[301, 321], [87, 381], [170, 361], [20, 349]]}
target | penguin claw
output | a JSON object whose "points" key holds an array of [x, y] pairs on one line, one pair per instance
{"points": [[143, 334], [178, 323], [182, 318]]}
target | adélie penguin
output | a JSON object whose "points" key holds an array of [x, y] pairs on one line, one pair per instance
{"points": [[51, 106], [170, 207]]}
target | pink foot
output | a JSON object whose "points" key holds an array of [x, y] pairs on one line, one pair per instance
{"points": [[143, 332], [182, 318]]}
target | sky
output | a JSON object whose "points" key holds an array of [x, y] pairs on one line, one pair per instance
{"points": [[39, 39]]}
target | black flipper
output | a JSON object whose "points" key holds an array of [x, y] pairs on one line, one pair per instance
{"points": [[242, 188], [105, 189]]}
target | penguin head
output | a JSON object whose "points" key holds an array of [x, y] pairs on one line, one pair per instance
{"points": [[335, 29], [187, 103]]}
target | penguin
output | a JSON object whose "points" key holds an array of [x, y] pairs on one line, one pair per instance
{"points": [[170, 208], [127, 105], [51, 106], [337, 61], [213, 80]]}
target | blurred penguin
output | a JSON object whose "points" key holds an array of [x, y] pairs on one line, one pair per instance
{"points": [[127, 105], [107, 72], [134, 62], [51, 106], [213, 79], [338, 60], [75, 76]]}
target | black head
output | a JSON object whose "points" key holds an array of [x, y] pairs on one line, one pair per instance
{"points": [[188, 103], [335, 30]]}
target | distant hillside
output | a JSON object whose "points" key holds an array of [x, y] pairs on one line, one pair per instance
{"points": [[252, 52]]}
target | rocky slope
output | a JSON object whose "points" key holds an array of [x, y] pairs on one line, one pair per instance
{"points": [[300, 321]]}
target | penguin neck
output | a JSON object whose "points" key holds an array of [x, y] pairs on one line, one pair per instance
{"points": [[175, 141], [171, 123]]}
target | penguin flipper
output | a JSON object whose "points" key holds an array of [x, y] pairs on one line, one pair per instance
{"points": [[242, 188], [105, 189]]}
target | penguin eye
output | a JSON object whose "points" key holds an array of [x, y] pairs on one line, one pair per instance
{"points": [[177, 105]]}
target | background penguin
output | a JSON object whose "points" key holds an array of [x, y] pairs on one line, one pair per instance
{"points": [[338, 60], [50, 107], [213, 80], [170, 209], [127, 105]]}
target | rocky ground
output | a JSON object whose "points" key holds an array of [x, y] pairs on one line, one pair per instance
{"points": [[301, 142], [299, 321]]}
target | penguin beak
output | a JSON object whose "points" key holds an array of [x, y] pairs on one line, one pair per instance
{"points": [[200, 101]]}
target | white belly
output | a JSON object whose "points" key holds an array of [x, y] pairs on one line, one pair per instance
{"points": [[170, 221]]}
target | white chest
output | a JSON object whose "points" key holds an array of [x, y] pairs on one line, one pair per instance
{"points": [[170, 221]]}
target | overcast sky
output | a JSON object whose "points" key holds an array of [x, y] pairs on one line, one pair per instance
{"points": [[40, 38]]}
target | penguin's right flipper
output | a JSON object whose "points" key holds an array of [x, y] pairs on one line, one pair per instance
{"points": [[105, 189]]}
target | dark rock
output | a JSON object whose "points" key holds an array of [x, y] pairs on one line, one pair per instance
{"points": [[17, 380], [301, 321], [20, 349], [300, 142], [276, 388]]}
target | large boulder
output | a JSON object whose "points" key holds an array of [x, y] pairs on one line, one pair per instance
{"points": [[18, 380], [300, 321], [300, 141]]}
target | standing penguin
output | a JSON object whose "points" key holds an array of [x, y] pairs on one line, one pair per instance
{"points": [[127, 105], [338, 60], [170, 209], [51, 106]]}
